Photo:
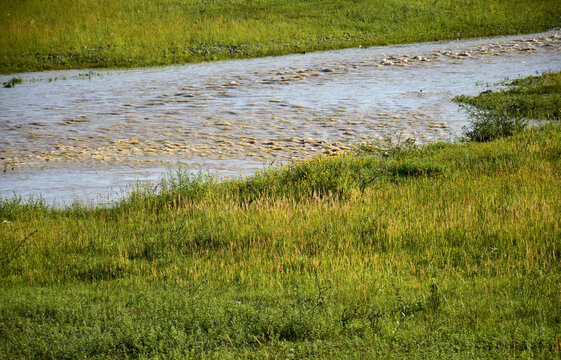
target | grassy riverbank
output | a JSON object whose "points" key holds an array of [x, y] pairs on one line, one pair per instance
{"points": [[446, 250], [507, 112], [87, 33]]}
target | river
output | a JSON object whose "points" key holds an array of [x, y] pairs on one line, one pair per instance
{"points": [[90, 135]]}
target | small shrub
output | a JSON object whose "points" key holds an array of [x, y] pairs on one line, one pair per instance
{"points": [[488, 127]]}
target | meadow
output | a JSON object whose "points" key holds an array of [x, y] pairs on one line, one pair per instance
{"points": [[91, 33], [448, 250]]}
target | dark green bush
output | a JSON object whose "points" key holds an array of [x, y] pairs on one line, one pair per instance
{"points": [[486, 126]]}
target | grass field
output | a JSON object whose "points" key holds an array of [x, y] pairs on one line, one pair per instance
{"points": [[90, 33], [440, 251]]}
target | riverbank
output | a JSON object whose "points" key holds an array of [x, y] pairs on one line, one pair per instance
{"points": [[388, 251], [119, 34]]}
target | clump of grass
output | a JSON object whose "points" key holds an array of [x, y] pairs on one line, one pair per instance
{"points": [[418, 167], [489, 126], [320, 177], [12, 82], [507, 112]]}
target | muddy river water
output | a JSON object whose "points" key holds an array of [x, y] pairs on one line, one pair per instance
{"points": [[88, 135]]}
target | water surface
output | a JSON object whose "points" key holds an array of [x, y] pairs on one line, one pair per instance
{"points": [[78, 134]]}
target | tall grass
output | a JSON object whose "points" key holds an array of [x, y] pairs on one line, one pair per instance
{"points": [[448, 249], [86, 33]]}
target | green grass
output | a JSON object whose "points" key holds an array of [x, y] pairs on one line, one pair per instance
{"points": [[507, 112], [534, 97], [446, 250], [85, 33], [12, 82], [449, 250]]}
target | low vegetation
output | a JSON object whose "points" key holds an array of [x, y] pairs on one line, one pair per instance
{"points": [[12, 82], [92, 33], [440, 251], [507, 112]]}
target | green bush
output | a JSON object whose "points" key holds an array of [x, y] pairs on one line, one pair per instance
{"points": [[488, 127]]}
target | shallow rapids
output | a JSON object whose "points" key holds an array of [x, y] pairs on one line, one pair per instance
{"points": [[89, 134]]}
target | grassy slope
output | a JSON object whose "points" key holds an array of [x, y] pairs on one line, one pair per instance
{"points": [[449, 250], [93, 33]]}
